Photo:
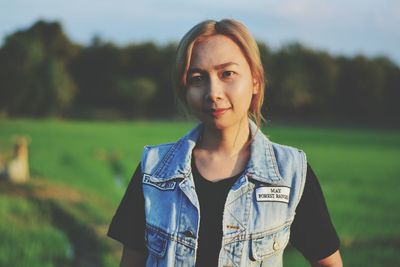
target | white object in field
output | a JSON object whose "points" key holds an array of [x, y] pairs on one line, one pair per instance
{"points": [[18, 167]]}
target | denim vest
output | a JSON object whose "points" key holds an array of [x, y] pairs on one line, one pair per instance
{"points": [[258, 212]]}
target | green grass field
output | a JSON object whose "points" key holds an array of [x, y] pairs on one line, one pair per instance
{"points": [[73, 191]]}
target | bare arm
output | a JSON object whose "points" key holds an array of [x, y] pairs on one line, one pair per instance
{"points": [[334, 260], [132, 258]]}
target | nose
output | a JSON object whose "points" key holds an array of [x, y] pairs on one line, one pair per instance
{"points": [[215, 90]]}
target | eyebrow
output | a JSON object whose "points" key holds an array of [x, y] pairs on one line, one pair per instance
{"points": [[216, 67]]}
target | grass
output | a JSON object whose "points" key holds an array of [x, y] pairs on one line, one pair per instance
{"points": [[358, 170], [27, 237]]}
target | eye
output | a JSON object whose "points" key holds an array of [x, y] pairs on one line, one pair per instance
{"points": [[195, 79], [228, 74]]}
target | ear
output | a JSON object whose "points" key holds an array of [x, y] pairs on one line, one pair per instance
{"points": [[256, 86]]}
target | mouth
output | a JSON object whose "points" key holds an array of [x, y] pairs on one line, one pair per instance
{"points": [[217, 112]]}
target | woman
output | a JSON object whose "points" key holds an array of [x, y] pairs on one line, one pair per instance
{"points": [[223, 195]]}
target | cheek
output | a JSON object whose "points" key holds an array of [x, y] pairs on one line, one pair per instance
{"points": [[244, 91], [193, 98]]}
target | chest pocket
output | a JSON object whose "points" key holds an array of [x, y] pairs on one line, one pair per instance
{"points": [[269, 244]]}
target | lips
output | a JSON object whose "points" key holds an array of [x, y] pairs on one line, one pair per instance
{"points": [[217, 112]]}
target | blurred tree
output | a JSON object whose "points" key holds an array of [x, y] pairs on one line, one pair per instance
{"points": [[391, 91], [165, 101], [126, 80], [135, 95], [94, 71], [360, 89], [291, 84], [266, 60], [42, 73], [34, 79], [155, 63]]}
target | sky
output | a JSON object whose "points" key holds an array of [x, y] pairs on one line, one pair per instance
{"points": [[340, 27]]}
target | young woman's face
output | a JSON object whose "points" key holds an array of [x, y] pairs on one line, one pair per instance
{"points": [[220, 85]]}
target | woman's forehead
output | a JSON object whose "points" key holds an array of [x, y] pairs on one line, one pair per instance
{"points": [[215, 51]]}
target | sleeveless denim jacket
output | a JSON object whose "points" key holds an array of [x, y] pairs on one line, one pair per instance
{"points": [[258, 212]]}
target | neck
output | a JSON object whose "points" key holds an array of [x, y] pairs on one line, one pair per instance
{"points": [[228, 141]]}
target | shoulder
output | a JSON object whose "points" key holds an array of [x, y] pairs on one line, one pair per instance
{"points": [[277, 150], [282, 162], [152, 150], [288, 157], [288, 154], [291, 163], [184, 143], [170, 159], [154, 153]]}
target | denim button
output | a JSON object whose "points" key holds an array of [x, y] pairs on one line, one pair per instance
{"points": [[275, 246], [188, 233]]}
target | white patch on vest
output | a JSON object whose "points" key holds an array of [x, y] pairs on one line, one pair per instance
{"points": [[168, 185], [273, 193]]}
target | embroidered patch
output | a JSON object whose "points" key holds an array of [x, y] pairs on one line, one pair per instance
{"points": [[273, 193], [168, 185]]}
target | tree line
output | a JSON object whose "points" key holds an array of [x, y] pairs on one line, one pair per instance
{"points": [[43, 73]]}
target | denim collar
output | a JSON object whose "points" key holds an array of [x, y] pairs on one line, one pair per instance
{"points": [[262, 165]]}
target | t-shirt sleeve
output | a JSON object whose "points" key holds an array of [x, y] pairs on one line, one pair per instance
{"points": [[128, 224], [312, 231]]}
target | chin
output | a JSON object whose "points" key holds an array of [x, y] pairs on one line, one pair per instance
{"points": [[220, 124]]}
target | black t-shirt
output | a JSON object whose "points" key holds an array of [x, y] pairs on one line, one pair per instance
{"points": [[312, 231]]}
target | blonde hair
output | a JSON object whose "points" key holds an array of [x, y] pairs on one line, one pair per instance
{"points": [[238, 33]]}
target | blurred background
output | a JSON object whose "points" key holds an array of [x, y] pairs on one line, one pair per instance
{"points": [[84, 86]]}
